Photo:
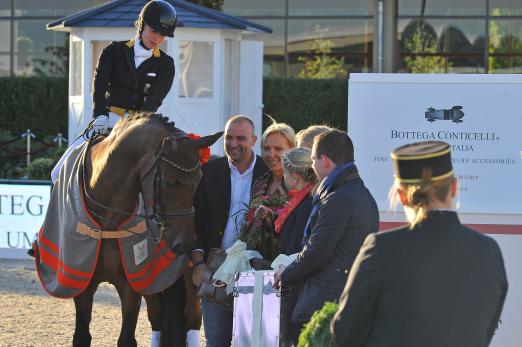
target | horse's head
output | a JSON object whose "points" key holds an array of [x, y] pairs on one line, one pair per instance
{"points": [[168, 183], [145, 153]]}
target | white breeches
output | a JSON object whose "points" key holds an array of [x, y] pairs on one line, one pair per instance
{"points": [[55, 172]]}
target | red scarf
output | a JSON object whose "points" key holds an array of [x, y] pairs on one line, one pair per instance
{"points": [[291, 205]]}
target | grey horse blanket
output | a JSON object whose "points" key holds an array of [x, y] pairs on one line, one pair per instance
{"points": [[68, 243]]}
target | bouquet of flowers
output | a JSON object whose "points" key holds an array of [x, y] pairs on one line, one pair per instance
{"points": [[259, 233]]}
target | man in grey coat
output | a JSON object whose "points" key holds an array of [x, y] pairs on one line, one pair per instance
{"points": [[343, 214]]}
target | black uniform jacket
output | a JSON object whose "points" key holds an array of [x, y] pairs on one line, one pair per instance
{"points": [[440, 284], [346, 215], [118, 83], [292, 230], [212, 201]]}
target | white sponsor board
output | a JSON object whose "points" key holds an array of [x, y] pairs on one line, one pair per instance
{"points": [[386, 111], [22, 212], [480, 116]]}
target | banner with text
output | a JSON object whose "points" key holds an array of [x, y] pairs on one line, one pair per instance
{"points": [[22, 212], [480, 116]]}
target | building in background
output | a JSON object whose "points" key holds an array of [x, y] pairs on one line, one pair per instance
{"points": [[26, 47], [314, 38]]}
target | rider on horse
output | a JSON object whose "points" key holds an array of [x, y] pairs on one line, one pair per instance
{"points": [[135, 74], [132, 76]]}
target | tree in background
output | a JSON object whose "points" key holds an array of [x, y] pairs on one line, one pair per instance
{"points": [[57, 63], [423, 45], [24, 50], [319, 63], [502, 41]]}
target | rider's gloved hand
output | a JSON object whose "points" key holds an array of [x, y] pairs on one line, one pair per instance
{"points": [[101, 125]]}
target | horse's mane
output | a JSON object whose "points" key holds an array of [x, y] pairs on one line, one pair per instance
{"points": [[121, 131], [148, 116], [140, 118], [135, 121]]}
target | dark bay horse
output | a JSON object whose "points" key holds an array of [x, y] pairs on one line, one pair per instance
{"points": [[143, 154]]}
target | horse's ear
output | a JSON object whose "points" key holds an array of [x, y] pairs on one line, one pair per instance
{"points": [[207, 141]]}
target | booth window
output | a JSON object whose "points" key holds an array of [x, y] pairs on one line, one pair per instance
{"points": [[196, 61], [77, 67]]}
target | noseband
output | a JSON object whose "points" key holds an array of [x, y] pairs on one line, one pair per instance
{"points": [[158, 216]]}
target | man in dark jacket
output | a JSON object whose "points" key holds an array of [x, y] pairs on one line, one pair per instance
{"points": [[343, 214], [432, 283], [220, 200]]}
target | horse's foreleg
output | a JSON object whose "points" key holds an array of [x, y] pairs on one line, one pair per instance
{"points": [[83, 304], [130, 309], [192, 311], [154, 315], [165, 312]]}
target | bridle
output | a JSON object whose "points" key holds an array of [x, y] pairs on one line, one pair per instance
{"points": [[158, 216]]}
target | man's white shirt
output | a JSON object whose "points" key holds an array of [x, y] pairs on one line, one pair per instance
{"points": [[240, 185]]}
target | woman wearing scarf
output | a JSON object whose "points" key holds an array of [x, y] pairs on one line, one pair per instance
{"points": [[289, 225], [300, 177], [269, 192]]}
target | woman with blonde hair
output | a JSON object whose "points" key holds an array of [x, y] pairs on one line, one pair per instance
{"points": [[300, 177], [305, 137], [269, 192], [276, 140]]}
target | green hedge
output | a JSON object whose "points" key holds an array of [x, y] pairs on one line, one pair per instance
{"points": [[40, 103], [36, 103], [303, 102]]}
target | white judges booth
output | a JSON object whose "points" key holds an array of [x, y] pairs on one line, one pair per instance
{"points": [[218, 60]]}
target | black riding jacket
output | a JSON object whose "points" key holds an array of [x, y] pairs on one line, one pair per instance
{"points": [[118, 83]]}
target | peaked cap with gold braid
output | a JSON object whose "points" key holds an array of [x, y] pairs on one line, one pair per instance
{"points": [[410, 161]]}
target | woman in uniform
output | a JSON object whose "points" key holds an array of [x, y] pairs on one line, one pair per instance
{"points": [[431, 283], [131, 76]]}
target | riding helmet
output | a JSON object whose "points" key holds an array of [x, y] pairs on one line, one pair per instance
{"points": [[160, 16]]}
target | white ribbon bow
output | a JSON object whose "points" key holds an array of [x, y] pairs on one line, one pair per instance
{"points": [[237, 260]]}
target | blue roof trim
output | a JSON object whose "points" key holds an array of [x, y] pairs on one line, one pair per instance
{"points": [[123, 13], [78, 16]]}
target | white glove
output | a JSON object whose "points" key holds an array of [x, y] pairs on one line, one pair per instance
{"points": [[101, 125]]}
